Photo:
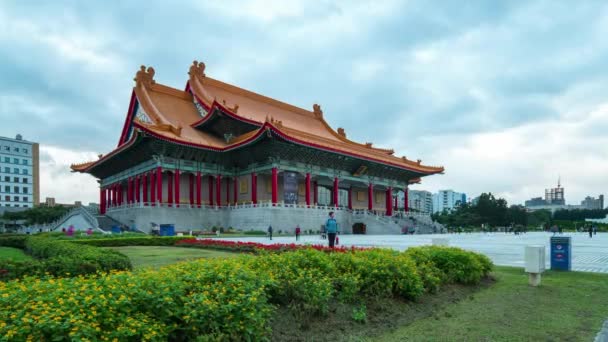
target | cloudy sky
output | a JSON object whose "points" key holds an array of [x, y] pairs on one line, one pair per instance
{"points": [[507, 95]]}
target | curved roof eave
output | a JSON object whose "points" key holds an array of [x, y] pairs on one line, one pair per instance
{"points": [[268, 126]]}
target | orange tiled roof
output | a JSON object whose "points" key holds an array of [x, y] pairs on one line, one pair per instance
{"points": [[172, 114]]}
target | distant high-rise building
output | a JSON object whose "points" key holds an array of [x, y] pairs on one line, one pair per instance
{"points": [[536, 201], [50, 201], [555, 196], [19, 173], [421, 201], [592, 203], [447, 199]]}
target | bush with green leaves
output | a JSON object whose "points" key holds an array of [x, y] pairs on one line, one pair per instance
{"points": [[455, 265], [60, 258], [13, 240], [131, 241], [218, 299]]}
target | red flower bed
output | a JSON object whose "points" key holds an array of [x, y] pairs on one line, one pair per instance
{"points": [[253, 247]]}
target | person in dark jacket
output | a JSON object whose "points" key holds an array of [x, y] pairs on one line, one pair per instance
{"points": [[590, 231], [298, 231], [270, 232]]}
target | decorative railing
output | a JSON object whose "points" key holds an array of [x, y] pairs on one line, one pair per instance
{"points": [[398, 217]]}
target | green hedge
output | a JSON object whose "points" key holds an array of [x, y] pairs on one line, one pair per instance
{"points": [[60, 258], [450, 264], [13, 240], [131, 241], [217, 299]]}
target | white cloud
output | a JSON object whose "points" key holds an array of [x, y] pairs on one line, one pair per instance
{"points": [[57, 181], [64, 38], [519, 163]]}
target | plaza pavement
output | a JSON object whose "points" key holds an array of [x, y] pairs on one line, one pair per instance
{"points": [[588, 254]]}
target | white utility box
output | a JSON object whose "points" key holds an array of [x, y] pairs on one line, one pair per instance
{"points": [[535, 259], [440, 242], [535, 263]]}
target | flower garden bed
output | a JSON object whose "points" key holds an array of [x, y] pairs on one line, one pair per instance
{"points": [[223, 299], [254, 247]]}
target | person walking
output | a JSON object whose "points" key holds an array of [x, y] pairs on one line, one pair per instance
{"points": [[298, 231], [331, 228], [590, 231], [594, 230], [270, 232]]}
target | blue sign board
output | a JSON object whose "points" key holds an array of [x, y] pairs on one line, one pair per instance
{"points": [[116, 230], [167, 230], [561, 253]]}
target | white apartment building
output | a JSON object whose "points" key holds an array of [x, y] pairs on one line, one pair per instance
{"points": [[447, 199], [421, 201], [19, 173]]}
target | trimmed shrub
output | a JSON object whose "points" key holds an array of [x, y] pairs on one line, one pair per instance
{"points": [[131, 241], [455, 264], [60, 258], [13, 240]]}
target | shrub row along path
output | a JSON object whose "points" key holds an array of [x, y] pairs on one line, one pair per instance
{"points": [[157, 256], [588, 254]]}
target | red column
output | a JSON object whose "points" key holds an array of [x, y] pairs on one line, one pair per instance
{"points": [[335, 192], [120, 194], [128, 190], [389, 201], [370, 197], [177, 186], [254, 188], [236, 190], [350, 198], [395, 206], [307, 189], [210, 190], [198, 189], [102, 201], [145, 188], [152, 188], [159, 184], [275, 185], [406, 203], [170, 188], [191, 185], [218, 190], [137, 188], [316, 192], [227, 190]]}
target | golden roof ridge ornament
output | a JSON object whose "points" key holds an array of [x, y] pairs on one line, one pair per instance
{"points": [[234, 109], [145, 77], [317, 111], [197, 69]]}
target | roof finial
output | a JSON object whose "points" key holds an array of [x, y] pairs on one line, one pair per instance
{"points": [[143, 77], [341, 132], [197, 69], [317, 110]]}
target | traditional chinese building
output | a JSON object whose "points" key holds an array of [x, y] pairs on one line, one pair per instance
{"points": [[218, 155]]}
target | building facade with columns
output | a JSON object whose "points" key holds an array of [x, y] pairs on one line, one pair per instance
{"points": [[217, 147]]}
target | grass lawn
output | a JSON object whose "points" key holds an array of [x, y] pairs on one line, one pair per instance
{"points": [[15, 254], [157, 256], [568, 306]]}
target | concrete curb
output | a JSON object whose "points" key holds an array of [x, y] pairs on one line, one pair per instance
{"points": [[602, 336]]}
